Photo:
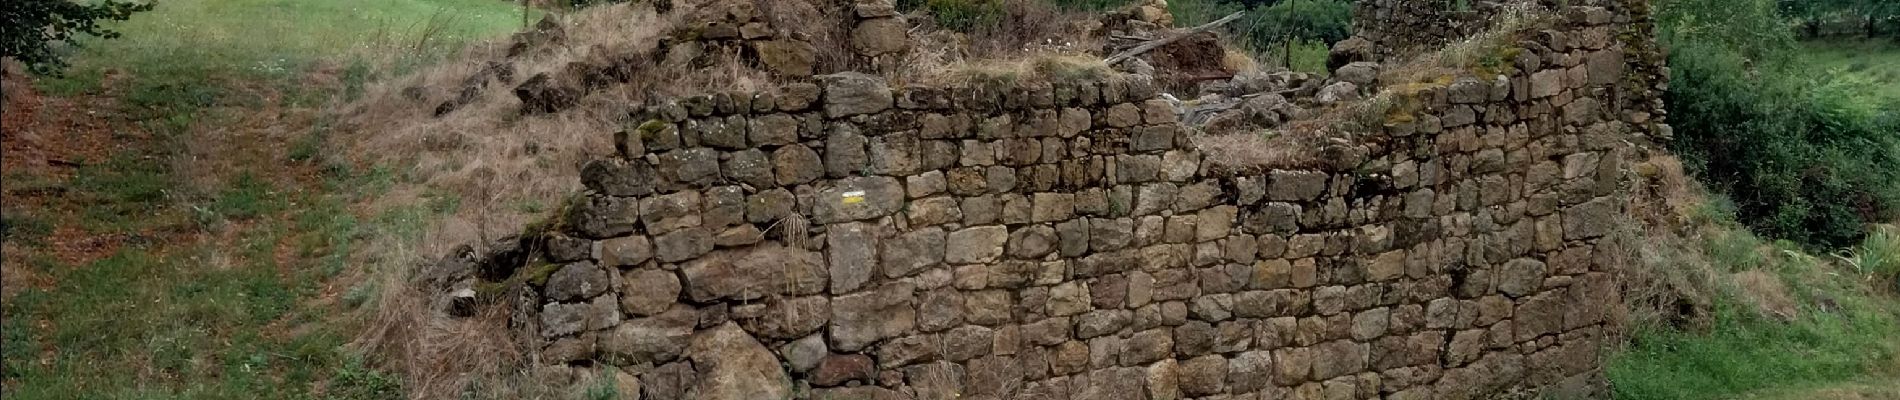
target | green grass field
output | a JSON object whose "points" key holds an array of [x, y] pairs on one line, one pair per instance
{"points": [[227, 291], [1876, 60], [196, 53]]}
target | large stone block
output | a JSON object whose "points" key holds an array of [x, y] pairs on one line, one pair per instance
{"points": [[1591, 219], [852, 93], [911, 252], [734, 366], [754, 272], [1295, 185], [859, 319], [852, 254], [858, 198], [683, 244], [656, 339], [785, 318], [980, 244]]}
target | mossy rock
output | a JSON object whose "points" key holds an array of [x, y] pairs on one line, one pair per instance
{"points": [[650, 127], [538, 274]]}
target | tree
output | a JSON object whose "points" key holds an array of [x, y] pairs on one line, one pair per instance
{"points": [[34, 27], [1282, 23], [1810, 14]]}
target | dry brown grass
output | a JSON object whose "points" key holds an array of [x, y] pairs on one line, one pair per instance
{"points": [[1249, 151], [1237, 60], [497, 161], [1028, 68], [1766, 293], [1667, 281], [822, 22], [1029, 25], [499, 164], [1032, 41], [1667, 196], [438, 356]]}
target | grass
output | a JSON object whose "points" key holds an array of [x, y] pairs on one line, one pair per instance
{"points": [[214, 319], [181, 286], [1840, 341], [189, 54], [1877, 60]]}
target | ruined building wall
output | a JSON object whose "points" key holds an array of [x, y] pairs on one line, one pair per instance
{"points": [[847, 239]]}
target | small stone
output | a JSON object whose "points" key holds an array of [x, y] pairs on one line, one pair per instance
{"points": [[1069, 298], [805, 353], [1032, 242], [648, 291], [624, 252], [838, 369], [1359, 73], [1205, 375], [796, 164]]}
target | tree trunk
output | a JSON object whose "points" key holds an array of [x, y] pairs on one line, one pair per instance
{"points": [[1287, 55]]}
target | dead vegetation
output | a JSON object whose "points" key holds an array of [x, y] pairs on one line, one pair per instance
{"points": [[1256, 151], [1028, 41]]}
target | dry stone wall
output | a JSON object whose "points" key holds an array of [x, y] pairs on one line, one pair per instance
{"points": [[845, 239]]}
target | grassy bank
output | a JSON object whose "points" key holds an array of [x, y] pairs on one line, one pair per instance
{"points": [[1876, 60], [1781, 323], [201, 251]]}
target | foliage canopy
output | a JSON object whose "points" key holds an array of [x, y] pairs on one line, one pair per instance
{"points": [[34, 27]]}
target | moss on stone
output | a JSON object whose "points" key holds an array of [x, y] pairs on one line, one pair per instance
{"points": [[649, 128]]}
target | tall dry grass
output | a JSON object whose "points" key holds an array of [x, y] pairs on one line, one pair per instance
{"points": [[504, 167], [496, 160]]}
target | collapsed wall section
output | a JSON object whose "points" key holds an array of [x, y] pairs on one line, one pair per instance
{"points": [[1066, 240]]}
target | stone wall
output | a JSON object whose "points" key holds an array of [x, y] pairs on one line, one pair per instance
{"points": [[1400, 28], [1395, 29], [846, 239]]}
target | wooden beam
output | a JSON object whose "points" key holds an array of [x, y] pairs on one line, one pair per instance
{"points": [[1151, 45]]}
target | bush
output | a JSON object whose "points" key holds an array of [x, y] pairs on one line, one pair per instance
{"points": [[1288, 29], [34, 26], [1879, 256], [1806, 156]]}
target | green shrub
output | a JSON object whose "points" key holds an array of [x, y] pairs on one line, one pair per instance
{"points": [[1879, 256], [1806, 155]]}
